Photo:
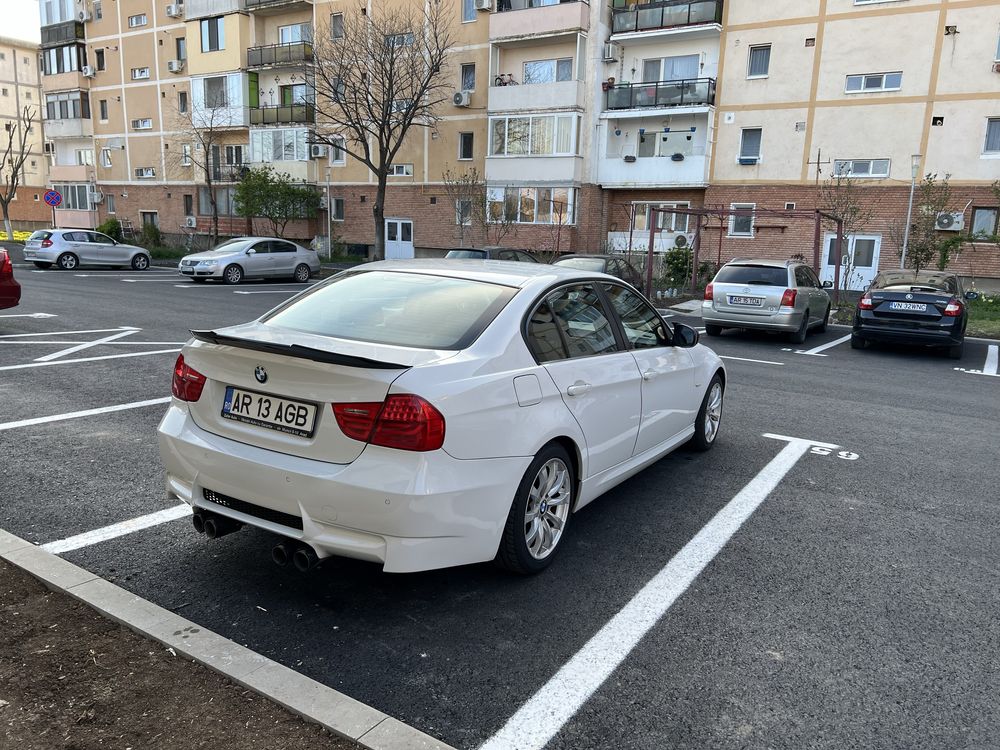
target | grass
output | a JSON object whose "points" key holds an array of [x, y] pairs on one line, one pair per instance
{"points": [[984, 317], [166, 253]]}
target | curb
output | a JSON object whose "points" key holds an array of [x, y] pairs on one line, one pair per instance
{"points": [[313, 701]]}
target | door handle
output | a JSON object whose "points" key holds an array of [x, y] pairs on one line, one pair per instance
{"points": [[578, 388], [649, 374]]}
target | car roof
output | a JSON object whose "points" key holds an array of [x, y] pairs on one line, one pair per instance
{"points": [[761, 262], [599, 256], [506, 272]]}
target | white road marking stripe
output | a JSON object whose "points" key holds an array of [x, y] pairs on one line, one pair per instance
{"points": [[548, 710], [118, 529], [87, 345], [85, 413], [990, 368], [66, 333], [130, 274], [744, 359], [276, 291], [31, 315], [823, 347], [88, 359], [167, 280]]}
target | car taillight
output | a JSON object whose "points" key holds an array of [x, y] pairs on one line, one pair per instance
{"points": [[788, 298], [709, 292], [188, 383], [46, 243], [402, 421], [865, 303], [6, 267], [954, 308]]}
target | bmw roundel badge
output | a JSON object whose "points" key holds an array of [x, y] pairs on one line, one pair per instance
{"points": [[261, 374]]}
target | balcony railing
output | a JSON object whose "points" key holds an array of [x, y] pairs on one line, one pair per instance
{"points": [[229, 172], [61, 33], [692, 92], [293, 53], [255, 4], [666, 14], [505, 5], [283, 114]]}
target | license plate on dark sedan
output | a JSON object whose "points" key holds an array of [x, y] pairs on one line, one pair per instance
{"points": [[274, 413], [746, 301], [908, 306]]}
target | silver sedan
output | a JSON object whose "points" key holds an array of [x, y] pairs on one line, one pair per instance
{"points": [[72, 248], [251, 258]]}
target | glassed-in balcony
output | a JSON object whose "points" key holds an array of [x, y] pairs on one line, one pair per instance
{"points": [[628, 17], [695, 92], [516, 19], [62, 33], [285, 114], [265, 7], [275, 55]]}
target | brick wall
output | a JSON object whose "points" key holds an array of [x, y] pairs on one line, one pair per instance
{"points": [[27, 213]]}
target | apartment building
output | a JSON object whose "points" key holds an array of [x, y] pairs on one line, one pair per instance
{"points": [[20, 87]]}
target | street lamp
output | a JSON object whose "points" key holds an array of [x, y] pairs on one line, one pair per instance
{"points": [[914, 171]]}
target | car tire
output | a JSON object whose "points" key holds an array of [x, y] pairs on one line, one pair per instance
{"points": [[956, 351], [799, 336], [709, 420], [821, 328], [42, 264], [858, 342], [523, 546], [232, 274], [713, 330], [67, 261], [140, 262], [302, 273]]}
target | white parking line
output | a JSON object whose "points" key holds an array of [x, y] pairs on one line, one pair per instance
{"points": [[758, 361], [815, 352], [65, 333], [85, 413], [990, 368], [548, 710], [275, 291], [129, 274], [80, 347], [31, 315], [166, 279], [118, 529], [88, 359]]}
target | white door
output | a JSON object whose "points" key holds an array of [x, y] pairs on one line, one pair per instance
{"points": [[398, 238], [861, 251]]}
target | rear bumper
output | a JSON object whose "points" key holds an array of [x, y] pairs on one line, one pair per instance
{"points": [[779, 321], [10, 294], [45, 255], [950, 335], [408, 511]]}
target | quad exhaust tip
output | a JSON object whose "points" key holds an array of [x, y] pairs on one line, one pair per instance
{"points": [[212, 525], [281, 553], [305, 559]]}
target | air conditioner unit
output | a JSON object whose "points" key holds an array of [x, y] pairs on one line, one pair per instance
{"points": [[89, 71], [190, 222], [950, 221], [175, 66], [484, 5], [96, 197], [175, 10], [610, 52], [317, 151], [748, 161], [83, 16], [461, 98], [681, 240]]}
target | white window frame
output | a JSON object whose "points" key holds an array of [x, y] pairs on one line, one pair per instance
{"points": [[206, 38], [140, 74], [401, 170], [109, 203], [498, 194], [990, 154], [139, 19], [145, 173], [865, 76], [850, 171], [574, 135], [337, 209], [106, 161], [645, 213], [554, 62], [339, 25], [292, 140], [750, 51], [732, 219], [142, 123], [338, 156], [468, 5], [461, 76], [463, 218], [185, 154], [302, 30], [760, 146]]}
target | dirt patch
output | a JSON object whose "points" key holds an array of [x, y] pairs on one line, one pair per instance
{"points": [[72, 680]]}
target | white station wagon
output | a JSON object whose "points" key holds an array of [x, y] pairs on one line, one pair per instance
{"points": [[424, 414]]}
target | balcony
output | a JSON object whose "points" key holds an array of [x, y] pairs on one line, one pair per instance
{"points": [[76, 127], [71, 173], [536, 97], [519, 19], [62, 33], [674, 16], [283, 114], [194, 9], [68, 218], [293, 54], [268, 7], [305, 172], [693, 94]]}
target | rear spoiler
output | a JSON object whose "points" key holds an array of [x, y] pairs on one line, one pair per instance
{"points": [[296, 350]]}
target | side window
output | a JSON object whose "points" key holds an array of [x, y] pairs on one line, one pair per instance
{"points": [[814, 278], [506, 255], [643, 327], [526, 257], [76, 236], [581, 319], [282, 247], [100, 238], [262, 247], [802, 277], [543, 336]]}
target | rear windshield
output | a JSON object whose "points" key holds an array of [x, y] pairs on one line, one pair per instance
{"points": [[908, 281], [474, 254], [583, 264], [753, 275], [399, 309], [40, 234]]}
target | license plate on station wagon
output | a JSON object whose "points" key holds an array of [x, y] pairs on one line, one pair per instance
{"points": [[275, 413], [746, 301], [908, 306]]}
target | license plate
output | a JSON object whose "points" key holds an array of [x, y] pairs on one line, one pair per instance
{"points": [[275, 413], [908, 306], [188, 271], [746, 301]]}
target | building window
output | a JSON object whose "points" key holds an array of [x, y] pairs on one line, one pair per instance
{"points": [[675, 68], [531, 205], [140, 74], [463, 212], [145, 173], [750, 145], [872, 82], [143, 123], [468, 77], [760, 61], [741, 222], [109, 203], [336, 25], [67, 105], [468, 11], [283, 144], [99, 59], [296, 93], [669, 222], [102, 109], [137, 20], [76, 197], [338, 156], [548, 71], [401, 170], [992, 136], [216, 92], [98, 15], [188, 204], [224, 201], [181, 47], [984, 222], [182, 101], [465, 143], [338, 209], [84, 157], [66, 59], [541, 135], [105, 157], [186, 155], [399, 40], [4, 92], [867, 168], [296, 32], [213, 36]]}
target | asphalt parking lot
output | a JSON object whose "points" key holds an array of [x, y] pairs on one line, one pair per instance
{"points": [[854, 605]]}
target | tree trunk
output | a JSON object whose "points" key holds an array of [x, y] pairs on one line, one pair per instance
{"points": [[378, 216], [6, 223], [215, 221]]}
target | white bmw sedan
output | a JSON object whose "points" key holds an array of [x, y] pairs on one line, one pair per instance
{"points": [[424, 414]]}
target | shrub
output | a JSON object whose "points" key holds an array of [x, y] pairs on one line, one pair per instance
{"points": [[113, 228], [151, 236]]}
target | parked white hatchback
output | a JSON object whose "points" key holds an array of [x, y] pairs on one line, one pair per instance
{"points": [[424, 414]]}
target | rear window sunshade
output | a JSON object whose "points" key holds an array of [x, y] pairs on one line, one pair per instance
{"points": [[296, 350]]}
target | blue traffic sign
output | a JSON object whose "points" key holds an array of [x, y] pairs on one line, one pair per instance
{"points": [[52, 197]]}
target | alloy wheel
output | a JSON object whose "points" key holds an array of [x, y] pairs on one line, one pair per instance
{"points": [[713, 412], [547, 508]]}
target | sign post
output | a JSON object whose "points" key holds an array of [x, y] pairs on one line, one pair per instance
{"points": [[53, 198]]}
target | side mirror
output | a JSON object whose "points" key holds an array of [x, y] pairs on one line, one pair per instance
{"points": [[684, 336], [251, 251], [972, 295], [828, 284]]}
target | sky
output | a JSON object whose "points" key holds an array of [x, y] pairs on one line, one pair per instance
{"points": [[20, 19]]}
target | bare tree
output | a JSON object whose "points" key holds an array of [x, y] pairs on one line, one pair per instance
{"points": [[467, 192], [17, 145], [842, 196], [499, 214], [382, 75], [925, 240]]}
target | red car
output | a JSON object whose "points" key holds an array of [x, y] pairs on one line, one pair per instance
{"points": [[10, 290]]}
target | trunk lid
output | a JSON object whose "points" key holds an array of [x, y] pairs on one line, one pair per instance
{"points": [[749, 289], [911, 309]]}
